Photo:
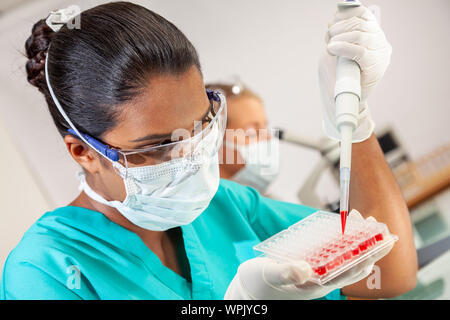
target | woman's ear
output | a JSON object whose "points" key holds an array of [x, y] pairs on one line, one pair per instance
{"points": [[84, 155]]}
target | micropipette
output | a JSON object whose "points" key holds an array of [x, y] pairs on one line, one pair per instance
{"points": [[347, 96]]}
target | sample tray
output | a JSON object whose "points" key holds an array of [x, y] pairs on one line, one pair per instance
{"points": [[318, 240]]}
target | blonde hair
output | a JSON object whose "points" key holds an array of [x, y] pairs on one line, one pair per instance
{"points": [[227, 90]]}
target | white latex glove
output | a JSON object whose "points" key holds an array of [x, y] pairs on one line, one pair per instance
{"points": [[354, 34], [265, 279]]}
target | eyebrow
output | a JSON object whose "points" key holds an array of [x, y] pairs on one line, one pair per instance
{"points": [[164, 136], [153, 137]]}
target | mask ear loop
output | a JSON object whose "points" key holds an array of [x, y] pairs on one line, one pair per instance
{"points": [[66, 117]]}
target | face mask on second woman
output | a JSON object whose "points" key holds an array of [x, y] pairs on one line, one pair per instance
{"points": [[261, 164]]}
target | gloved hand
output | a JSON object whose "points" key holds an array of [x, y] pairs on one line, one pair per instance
{"points": [[265, 279], [355, 34]]}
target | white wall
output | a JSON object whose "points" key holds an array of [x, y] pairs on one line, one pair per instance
{"points": [[274, 46], [22, 197]]}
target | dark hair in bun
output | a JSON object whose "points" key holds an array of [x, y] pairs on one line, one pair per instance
{"points": [[36, 47], [96, 68]]}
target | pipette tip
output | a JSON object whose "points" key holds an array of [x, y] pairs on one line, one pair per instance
{"points": [[343, 220]]}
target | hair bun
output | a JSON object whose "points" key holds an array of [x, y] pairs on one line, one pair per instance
{"points": [[36, 48]]}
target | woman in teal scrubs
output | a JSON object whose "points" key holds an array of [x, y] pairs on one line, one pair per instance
{"points": [[152, 223]]}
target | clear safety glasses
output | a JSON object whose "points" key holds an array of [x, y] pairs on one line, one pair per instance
{"points": [[203, 141]]}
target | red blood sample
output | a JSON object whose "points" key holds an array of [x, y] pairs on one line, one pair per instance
{"points": [[346, 241], [363, 246], [355, 251], [347, 255], [343, 220], [339, 260], [330, 265], [320, 270]]}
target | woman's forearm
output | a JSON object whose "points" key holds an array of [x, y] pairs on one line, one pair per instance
{"points": [[375, 192]]}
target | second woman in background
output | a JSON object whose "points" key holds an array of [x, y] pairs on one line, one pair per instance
{"points": [[250, 154]]}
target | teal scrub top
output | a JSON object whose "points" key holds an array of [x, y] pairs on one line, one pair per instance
{"points": [[76, 253]]}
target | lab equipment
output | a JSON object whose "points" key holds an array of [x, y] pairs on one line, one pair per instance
{"points": [[425, 177], [308, 194], [353, 36], [347, 98], [263, 278], [318, 241], [369, 47], [428, 253], [431, 220], [433, 281]]}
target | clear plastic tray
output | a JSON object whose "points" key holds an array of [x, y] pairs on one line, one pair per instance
{"points": [[318, 240]]}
